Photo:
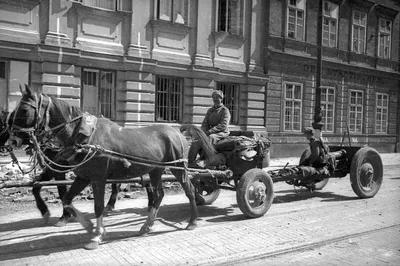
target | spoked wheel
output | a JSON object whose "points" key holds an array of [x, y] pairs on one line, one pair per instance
{"points": [[319, 185], [366, 172], [206, 195], [255, 193]]}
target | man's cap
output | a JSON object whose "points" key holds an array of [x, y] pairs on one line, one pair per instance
{"points": [[218, 92], [309, 131]]}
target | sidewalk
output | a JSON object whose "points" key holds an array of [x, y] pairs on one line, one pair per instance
{"points": [[224, 236]]}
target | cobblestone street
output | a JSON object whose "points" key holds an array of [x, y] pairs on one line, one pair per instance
{"points": [[332, 227]]}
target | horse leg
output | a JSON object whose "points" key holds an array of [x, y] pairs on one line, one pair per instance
{"points": [[150, 196], [76, 187], [158, 194], [188, 187], [61, 192], [113, 198], [98, 194], [41, 205]]}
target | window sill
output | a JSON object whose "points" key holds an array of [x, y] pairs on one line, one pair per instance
{"points": [[232, 38], [26, 3], [102, 11], [171, 25]]}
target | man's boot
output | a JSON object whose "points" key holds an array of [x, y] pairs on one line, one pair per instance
{"points": [[193, 151]]}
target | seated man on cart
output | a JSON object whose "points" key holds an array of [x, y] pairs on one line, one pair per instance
{"points": [[318, 161], [314, 168], [215, 125], [318, 149]]}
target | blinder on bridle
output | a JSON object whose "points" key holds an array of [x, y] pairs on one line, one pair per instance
{"points": [[37, 118]]}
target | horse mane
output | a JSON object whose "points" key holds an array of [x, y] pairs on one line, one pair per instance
{"points": [[66, 110]]}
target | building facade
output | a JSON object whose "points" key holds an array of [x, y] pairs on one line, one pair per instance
{"points": [[141, 62], [359, 76]]}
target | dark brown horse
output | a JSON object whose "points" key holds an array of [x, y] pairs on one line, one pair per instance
{"points": [[49, 174], [149, 150]]}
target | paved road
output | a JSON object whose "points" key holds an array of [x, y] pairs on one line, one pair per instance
{"points": [[328, 227]]}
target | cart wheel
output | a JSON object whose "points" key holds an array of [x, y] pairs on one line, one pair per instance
{"points": [[366, 172], [206, 195], [255, 193], [317, 186]]}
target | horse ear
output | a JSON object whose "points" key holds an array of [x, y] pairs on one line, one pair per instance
{"points": [[25, 91], [28, 90], [21, 89]]}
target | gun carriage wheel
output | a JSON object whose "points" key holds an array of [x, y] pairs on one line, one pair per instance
{"points": [[366, 172], [255, 193]]}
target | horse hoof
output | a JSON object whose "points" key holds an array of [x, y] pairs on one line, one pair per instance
{"points": [[92, 245], [191, 226], [46, 217], [89, 228], [145, 231], [61, 223]]}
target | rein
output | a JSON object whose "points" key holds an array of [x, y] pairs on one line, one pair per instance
{"points": [[46, 161], [92, 149]]}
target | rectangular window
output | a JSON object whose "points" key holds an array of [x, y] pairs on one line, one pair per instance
{"points": [[359, 31], [12, 75], [173, 11], [328, 108], [382, 113], [296, 19], [2, 69], [293, 106], [98, 95], [3, 86], [231, 100], [169, 92], [121, 5], [330, 22], [385, 33], [356, 111], [230, 16]]}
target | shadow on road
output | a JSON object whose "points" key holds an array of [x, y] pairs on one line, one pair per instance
{"points": [[120, 224], [303, 194]]}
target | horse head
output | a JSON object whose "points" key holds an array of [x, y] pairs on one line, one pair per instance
{"points": [[25, 118]]}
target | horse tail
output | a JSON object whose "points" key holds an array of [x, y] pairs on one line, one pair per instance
{"points": [[199, 135]]}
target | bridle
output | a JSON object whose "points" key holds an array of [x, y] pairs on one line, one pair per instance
{"points": [[41, 126], [36, 129]]}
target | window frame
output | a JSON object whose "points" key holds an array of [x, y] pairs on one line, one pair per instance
{"points": [[353, 127], [172, 12], [330, 18], [384, 108], [118, 5], [325, 102], [15, 75], [356, 27], [227, 22], [300, 101], [4, 63], [233, 104], [383, 33], [296, 9], [99, 86], [179, 107]]}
